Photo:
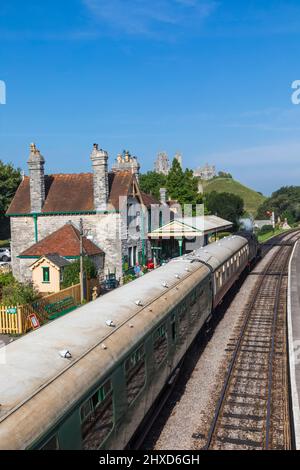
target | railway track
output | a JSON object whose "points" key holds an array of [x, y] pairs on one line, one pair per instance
{"points": [[252, 412]]}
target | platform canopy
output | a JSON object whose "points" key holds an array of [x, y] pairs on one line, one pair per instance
{"points": [[191, 227]]}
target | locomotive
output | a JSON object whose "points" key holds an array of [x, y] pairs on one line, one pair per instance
{"points": [[123, 349]]}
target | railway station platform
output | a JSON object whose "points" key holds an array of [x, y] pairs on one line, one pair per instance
{"points": [[294, 337]]}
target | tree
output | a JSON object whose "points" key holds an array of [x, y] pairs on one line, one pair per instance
{"points": [[10, 179], [182, 186], [151, 183], [289, 216], [175, 180], [72, 272], [225, 205], [285, 203], [224, 174]]}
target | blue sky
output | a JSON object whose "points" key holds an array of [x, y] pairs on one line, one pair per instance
{"points": [[209, 78]]}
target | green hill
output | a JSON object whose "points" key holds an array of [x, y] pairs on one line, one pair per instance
{"points": [[252, 199]]}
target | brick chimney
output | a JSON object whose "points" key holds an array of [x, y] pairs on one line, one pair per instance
{"points": [[127, 163], [36, 164], [99, 159], [163, 195]]}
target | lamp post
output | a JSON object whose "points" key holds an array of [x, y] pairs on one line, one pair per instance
{"points": [[82, 276], [143, 236]]}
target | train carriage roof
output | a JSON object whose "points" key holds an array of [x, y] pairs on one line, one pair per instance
{"points": [[33, 360], [218, 253], [32, 367]]}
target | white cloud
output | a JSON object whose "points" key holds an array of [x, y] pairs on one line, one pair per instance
{"points": [[144, 17]]}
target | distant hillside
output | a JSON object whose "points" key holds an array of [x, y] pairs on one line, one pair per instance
{"points": [[251, 198]]}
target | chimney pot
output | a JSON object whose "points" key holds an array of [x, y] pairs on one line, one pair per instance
{"points": [[37, 179], [163, 195], [100, 166]]}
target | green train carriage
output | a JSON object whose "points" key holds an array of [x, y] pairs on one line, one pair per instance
{"points": [[99, 397]]}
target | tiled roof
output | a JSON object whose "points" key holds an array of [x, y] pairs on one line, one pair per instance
{"points": [[58, 260], [71, 193], [119, 184], [148, 199], [64, 193], [54, 258], [65, 242]]}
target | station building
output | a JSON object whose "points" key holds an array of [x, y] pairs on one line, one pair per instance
{"points": [[104, 200], [184, 235]]}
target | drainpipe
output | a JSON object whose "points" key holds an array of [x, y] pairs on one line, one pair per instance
{"points": [[35, 219], [143, 236], [180, 246]]}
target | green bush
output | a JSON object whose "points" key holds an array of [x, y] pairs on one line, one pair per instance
{"points": [[6, 279], [265, 229], [128, 278], [125, 266], [72, 272], [17, 293]]}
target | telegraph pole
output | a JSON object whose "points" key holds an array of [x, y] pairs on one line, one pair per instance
{"points": [[81, 263]]}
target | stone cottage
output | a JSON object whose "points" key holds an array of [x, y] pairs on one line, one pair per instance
{"points": [[111, 205]]}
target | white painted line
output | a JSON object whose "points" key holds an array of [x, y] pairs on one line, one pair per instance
{"points": [[292, 361]]}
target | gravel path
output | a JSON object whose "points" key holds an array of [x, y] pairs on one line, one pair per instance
{"points": [[192, 414]]}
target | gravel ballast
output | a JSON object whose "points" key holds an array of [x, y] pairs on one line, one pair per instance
{"points": [[192, 414]]}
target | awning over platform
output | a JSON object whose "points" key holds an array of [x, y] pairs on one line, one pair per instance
{"points": [[190, 227]]}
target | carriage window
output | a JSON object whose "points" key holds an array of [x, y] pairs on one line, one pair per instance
{"points": [[173, 328], [204, 301], [135, 372], [194, 305], [97, 417], [183, 323], [51, 444], [219, 279], [160, 344], [193, 298]]}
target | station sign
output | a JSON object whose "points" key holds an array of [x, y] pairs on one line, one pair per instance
{"points": [[12, 311]]}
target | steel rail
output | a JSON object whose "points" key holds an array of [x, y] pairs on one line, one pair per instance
{"points": [[272, 353], [228, 377]]}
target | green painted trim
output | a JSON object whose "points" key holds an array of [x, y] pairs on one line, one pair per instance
{"points": [[45, 214], [180, 242], [38, 257], [36, 235], [63, 312]]}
